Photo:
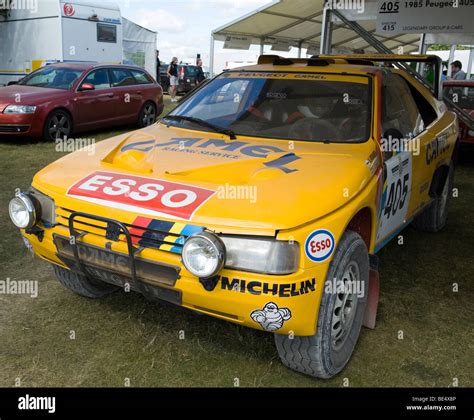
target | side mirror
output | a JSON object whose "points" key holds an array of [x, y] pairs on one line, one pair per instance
{"points": [[87, 86], [390, 137]]}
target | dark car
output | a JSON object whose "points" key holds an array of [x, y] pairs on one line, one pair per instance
{"points": [[186, 76], [61, 99], [462, 93]]}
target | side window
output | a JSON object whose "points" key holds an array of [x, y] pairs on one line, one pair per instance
{"points": [[399, 110], [426, 109], [141, 78], [122, 77], [99, 78], [106, 33]]}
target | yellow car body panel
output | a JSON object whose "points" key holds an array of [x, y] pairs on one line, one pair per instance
{"points": [[324, 189]]}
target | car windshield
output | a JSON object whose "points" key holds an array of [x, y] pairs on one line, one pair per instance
{"points": [[52, 77], [308, 106], [461, 95]]}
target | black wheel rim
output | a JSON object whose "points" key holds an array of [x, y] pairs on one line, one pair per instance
{"points": [[149, 115], [59, 126]]}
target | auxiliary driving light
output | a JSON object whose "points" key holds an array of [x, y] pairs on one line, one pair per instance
{"points": [[22, 211], [203, 254]]}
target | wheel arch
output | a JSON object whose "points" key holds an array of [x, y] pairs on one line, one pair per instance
{"points": [[362, 223], [59, 108], [439, 178]]}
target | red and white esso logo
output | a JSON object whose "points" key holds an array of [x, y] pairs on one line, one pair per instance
{"points": [[150, 196], [320, 245]]}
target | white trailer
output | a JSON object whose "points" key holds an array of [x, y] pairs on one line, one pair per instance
{"points": [[69, 31]]}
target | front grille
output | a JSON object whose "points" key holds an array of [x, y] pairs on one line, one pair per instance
{"points": [[145, 232], [14, 128], [112, 266]]}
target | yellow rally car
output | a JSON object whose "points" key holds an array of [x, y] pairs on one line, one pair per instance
{"points": [[261, 199]]}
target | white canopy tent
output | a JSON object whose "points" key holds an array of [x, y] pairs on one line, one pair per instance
{"points": [[300, 23]]}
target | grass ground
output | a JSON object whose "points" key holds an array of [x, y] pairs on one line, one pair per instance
{"points": [[126, 336]]}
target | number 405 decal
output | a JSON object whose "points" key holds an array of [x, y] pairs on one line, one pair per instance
{"points": [[396, 194]]}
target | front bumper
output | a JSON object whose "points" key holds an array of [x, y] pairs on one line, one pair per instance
{"points": [[238, 297], [17, 125]]}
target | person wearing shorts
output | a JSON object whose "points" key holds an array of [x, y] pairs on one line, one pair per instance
{"points": [[173, 75]]}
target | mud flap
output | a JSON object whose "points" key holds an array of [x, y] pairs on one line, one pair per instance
{"points": [[370, 314]]}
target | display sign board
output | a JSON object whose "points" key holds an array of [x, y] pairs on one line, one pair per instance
{"points": [[421, 16], [237, 42]]}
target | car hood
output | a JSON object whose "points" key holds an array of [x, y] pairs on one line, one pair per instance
{"points": [[29, 95], [256, 184]]}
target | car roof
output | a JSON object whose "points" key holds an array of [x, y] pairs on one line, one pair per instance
{"points": [[89, 66], [304, 68]]}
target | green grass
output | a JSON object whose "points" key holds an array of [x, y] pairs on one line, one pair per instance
{"points": [[126, 336]]}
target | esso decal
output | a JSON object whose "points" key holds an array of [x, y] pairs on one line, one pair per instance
{"points": [[69, 9], [319, 245], [150, 196]]}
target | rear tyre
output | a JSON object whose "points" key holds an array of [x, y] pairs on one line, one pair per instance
{"points": [[147, 115], [81, 285], [434, 217], [58, 125], [340, 318]]}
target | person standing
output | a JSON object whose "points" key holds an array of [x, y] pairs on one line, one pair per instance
{"points": [[173, 75], [200, 77], [456, 72]]}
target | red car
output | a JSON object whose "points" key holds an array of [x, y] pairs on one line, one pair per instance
{"points": [[462, 93], [61, 99]]}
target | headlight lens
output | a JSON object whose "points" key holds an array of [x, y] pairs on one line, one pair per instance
{"points": [[261, 255], [19, 109], [203, 254], [22, 211]]}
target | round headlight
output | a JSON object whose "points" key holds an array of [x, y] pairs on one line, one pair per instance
{"points": [[22, 211], [203, 254]]}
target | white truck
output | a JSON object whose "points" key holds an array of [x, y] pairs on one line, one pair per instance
{"points": [[35, 33]]}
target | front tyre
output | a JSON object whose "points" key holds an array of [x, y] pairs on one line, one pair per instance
{"points": [[147, 115], [58, 125], [81, 285], [340, 318]]}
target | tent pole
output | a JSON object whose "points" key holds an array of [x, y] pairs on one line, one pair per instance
{"points": [[211, 57], [299, 48], [421, 50], [325, 47], [451, 58], [262, 45], [469, 64]]}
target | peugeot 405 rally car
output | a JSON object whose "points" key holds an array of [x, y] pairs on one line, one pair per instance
{"points": [[339, 153]]}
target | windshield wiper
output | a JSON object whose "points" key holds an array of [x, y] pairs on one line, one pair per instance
{"points": [[203, 123]]}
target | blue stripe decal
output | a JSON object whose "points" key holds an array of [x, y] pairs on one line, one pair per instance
{"points": [[379, 246]]}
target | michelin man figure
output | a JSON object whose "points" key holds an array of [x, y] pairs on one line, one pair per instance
{"points": [[271, 317]]}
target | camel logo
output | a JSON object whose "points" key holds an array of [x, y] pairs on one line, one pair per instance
{"points": [[271, 317]]}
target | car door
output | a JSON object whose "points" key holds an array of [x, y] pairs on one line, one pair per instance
{"points": [[403, 130], [128, 92], [96, 107]]}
